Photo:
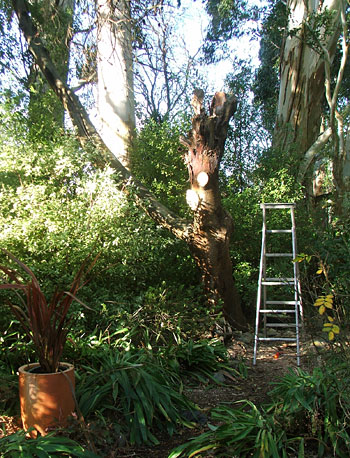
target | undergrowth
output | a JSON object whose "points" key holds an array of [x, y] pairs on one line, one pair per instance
{"points": [[17, 445], [130, 374], [309, 415]]}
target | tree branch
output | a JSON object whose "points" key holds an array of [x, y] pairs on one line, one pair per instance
{"points": [[311, 153]]}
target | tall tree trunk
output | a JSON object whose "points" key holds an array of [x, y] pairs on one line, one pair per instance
{"points": [[212, 225], [302, 76], [209, 233], [314, 28], [341, 138], [115, 77]]}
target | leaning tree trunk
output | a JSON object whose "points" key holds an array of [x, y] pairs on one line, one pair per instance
{"points": [[212, 225], [209, 234], [56, 19]]}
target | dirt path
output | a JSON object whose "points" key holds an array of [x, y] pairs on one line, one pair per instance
{"points": [[255, 387], [273, 361]]}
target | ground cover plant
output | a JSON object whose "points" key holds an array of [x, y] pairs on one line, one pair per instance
{"points": [[309, 414], [18, 445], [141, 394], [242, 431]]}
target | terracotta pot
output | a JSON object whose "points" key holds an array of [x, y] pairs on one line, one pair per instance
{"points": [[46, 399]]}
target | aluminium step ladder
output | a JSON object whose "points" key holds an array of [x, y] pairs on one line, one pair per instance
{"points": [[285, 306]]}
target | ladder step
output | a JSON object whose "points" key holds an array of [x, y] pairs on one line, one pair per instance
{"points": [[278, 255], [277, 283], [281, 205], [287, 339], [279, 231], [281, 325], [282, 302], [277, 311]]}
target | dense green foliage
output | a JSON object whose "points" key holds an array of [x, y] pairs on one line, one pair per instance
{"points": [[266, 85], [228, 19], [132, 386], [57, 208], [157, 160]]}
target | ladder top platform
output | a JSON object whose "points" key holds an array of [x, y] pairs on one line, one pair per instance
{"points": [[282, 205]]}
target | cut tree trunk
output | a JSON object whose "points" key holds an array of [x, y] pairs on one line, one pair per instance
{"points": [[212, 225]]}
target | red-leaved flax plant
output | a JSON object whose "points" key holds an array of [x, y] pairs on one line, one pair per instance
{"points": [[45, 323]]}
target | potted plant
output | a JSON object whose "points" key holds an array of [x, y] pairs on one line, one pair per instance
{"points": [[46, 388]]}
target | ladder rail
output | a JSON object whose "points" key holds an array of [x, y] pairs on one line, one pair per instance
{"points": [[296, 267], [297, 289], [258, 298]]}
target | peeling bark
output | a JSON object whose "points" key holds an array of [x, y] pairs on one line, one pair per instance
{"points": [[302, 76], [306, 82]]}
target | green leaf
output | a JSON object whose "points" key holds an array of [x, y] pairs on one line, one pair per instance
{"points": [[141, 421], [336, 329], [301, 451], [202, 449]]}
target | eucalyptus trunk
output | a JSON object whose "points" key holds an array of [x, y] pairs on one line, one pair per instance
{"points": [[303, 126], [302, 75], [115, 87]]}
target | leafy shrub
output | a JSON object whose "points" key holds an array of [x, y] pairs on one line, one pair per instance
{"points": [[57, 207], [158, 162], [200, 360], [142, 395], [8, 391], [244, 207], [332, 253], [16, 349], [325, 288], [157, 317]]}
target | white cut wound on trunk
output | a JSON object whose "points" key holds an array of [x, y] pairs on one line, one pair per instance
{"points": [[192, 199], [202, 179]]}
